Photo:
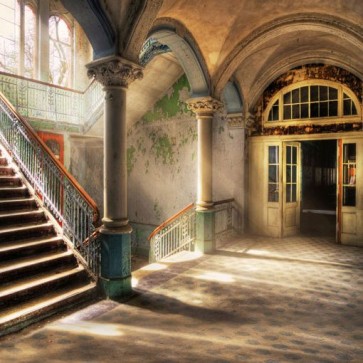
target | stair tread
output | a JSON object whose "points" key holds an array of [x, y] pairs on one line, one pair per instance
{"points": [[34, 282], [8, 266], [16, 187], [21, 213], [17, 200], [17, 245], [37, 305], [25, 228]]}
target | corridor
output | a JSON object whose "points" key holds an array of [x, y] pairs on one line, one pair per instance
{"points": [[255, 300]]}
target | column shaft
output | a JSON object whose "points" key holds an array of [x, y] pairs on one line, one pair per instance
{"points": [[43, 41], [115, 161], [205, 152]]}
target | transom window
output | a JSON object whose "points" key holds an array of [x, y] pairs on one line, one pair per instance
{"points": [[311, 102]]}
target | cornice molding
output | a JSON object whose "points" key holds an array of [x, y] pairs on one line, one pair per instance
{"points": [[114, 71], [204, 105]]}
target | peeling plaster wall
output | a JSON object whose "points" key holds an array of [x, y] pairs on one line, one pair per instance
{"points": [[86, 165], [161, 157]]}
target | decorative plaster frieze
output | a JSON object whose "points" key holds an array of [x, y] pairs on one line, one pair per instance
{"points": [[114, 71], [204, 105]]}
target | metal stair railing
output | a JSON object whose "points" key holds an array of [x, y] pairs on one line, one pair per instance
{"points": [[61, 194], [174, 235]]}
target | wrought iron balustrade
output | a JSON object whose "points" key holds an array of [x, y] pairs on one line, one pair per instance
{"points": [[61, 194], [223, 218], [36, 100], [176, 234]]}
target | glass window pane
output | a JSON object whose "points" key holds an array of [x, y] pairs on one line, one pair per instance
{"points": [[288, 154], [354, 109], [333, 108], [346, 108], [287, 97], [293, 193], [333, 93], [296, 111], [293, 173], [273, 192], [288, 193], [349, 197], [323, 109], [304, 94], [273, 154], [305, 110], [294, 155], [323, 93], [273, 173], [295, 95], [288, 173], [314, 93], [349, 153], [314, 110], [287, 112]]}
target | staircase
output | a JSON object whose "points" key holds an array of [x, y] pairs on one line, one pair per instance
{"points": [[39, 274]]}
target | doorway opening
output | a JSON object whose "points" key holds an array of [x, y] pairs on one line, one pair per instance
{"points": [[319, 188]]}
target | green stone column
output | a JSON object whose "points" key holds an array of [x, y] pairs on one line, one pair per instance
{"points": [[204, 109], [115, 74], [205, 236], [115, 277]]}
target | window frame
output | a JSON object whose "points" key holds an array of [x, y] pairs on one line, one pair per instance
{"points": [[279, 97]]}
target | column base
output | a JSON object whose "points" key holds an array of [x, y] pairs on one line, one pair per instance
{"points": [[205, 237], [116, 289], [116, 263]]}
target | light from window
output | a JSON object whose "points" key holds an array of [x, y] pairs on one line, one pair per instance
{"points": [[9, 35], [59, 51], [29, 41]]}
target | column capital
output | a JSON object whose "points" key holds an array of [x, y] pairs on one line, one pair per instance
{"points": [[114, 71], [204, 106]]}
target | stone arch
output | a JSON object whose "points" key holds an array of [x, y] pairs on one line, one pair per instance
{"points": [[301, 22], [181, 43], [96, 25]]}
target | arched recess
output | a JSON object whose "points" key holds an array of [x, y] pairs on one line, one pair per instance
{"points": [[302, 23], [185, 50], [274, 70], [96, 25]]}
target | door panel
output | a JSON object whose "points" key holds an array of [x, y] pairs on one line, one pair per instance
{"points": [[350, 188], [291, 188]]}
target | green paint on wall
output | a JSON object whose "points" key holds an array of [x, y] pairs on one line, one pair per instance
{"points": [[163, 147], [170, 105], [131, 158]]}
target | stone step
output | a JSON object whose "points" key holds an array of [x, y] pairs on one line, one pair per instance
{"points": [[3, 160], [26, 289], [17, 204], [6, 170], [10, 180], [15, 319], [13, 192], [15, 269], [19, 218], [35, 246], [17, 233]]}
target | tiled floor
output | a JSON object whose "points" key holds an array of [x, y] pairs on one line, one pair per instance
{"points": [[255, 300]]}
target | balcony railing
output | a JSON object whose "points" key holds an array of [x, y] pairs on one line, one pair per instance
{"points": [[61, 194], [40, 101]]}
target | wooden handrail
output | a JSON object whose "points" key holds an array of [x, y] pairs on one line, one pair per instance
{"points": [[58, 164], [223, 201], [169, 220]]}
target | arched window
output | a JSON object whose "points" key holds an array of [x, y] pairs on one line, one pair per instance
{"points": [[29, 41], [311, 101], [60, 51]]}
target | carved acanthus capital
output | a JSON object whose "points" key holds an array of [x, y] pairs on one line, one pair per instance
{"points": [[240, 121], [114, 71], [204, 105]]}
